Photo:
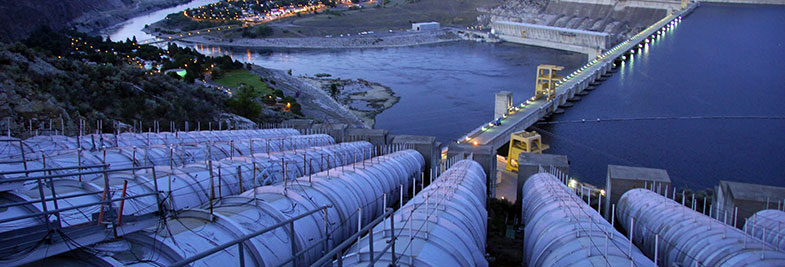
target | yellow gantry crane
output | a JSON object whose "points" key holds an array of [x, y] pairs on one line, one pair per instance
{"points": [[531, 142], [523, 142], [546, 81]]}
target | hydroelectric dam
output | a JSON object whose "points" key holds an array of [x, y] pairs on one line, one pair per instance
{"points": [[488, 138], [304, 193]]}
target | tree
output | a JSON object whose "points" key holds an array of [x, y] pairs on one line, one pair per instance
{"points": [[244, 102], [263, 31], [173, 75], [296, 108], [49, 41], [334, 90], [190, 76], [217, 74], [247, 34]]}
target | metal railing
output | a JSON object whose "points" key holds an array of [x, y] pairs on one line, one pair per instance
{"points": [[54, 169], [338, 250], [241, 250], [594, 222], [445, 165], [442, 197], [657, 188], [106, 198]]}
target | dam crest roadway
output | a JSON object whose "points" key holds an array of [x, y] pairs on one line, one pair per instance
{"points": [[488, 138]]}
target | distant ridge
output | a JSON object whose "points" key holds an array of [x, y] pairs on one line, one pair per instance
{"points": [[21, 18]]}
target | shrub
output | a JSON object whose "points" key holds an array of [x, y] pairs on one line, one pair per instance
{"points": [[334, 89], [244, 102]]}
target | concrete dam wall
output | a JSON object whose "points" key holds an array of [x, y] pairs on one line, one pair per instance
{"points": [[620, 19], [590, 39], [586, 42], [605, 18]]}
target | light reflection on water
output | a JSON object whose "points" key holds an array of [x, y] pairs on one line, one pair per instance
{"points": [[699, 68]]}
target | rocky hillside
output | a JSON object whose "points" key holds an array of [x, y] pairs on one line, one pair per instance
{"points": [[20, 18], [38, 88]]}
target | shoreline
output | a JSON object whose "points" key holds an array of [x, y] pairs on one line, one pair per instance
{"points": [[283, 47], [395, 40], [316, 103], [363, 98], [108, 22]]}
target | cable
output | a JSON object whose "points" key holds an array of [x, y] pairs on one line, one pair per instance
{"points": [[672, 118]]}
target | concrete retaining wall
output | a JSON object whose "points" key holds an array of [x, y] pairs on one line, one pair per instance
{"points": [[591, 53], [597, 40], [614, 19]]}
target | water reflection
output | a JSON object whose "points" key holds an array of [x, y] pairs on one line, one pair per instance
{"points": [[692, 69]]}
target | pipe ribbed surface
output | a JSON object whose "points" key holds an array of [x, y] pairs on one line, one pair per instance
{"points": [[348, 189], [189, 186], [97, 141], [10, 148], [300, 162], [769, 226], [160, 155], [448, 224], [562, 230], [687, 237]]}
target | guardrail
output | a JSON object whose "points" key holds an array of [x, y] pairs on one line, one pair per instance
{"points": [[42, 199], [239, 241], [338, 250]]}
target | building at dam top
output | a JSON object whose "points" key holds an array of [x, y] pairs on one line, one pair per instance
{"points": [[584, 26], [742, 200]]}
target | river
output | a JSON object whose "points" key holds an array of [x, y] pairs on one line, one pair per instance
{"points": [[446, 89], [133, 27], [723, 60]]}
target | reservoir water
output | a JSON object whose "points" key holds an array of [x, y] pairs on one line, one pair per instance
{"points": [[446, 89], [722, 60]]}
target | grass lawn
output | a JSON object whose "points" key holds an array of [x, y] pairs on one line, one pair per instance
{"points": [[234, 78]]}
